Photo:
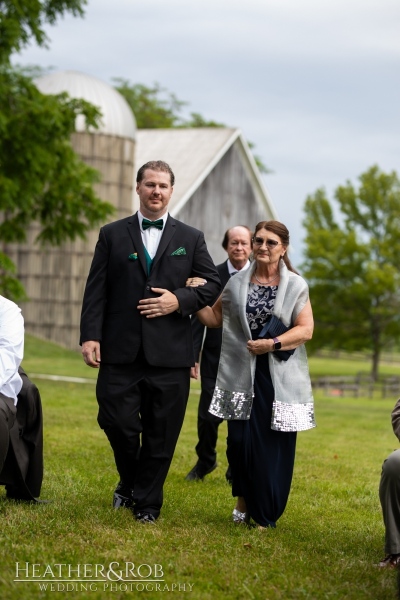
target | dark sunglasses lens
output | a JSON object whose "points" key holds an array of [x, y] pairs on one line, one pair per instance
{"points": [[260, 241]]}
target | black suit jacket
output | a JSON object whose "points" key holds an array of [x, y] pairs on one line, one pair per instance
{"points": [[118, 279], [213, 338]]}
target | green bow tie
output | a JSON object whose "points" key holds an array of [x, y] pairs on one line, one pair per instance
{"points": [[159, 224]]}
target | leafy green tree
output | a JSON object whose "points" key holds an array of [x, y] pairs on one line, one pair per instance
{"points": [[42, 179], [21, 21], [197, 120], [352, 264], [153, 107], [157, 108]]}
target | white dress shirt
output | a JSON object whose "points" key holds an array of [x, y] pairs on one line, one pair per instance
{"points": [[151, 237], [11, 348], [232, 270]]}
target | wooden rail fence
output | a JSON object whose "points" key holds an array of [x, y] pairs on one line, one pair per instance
{"points": [[358, 386]]}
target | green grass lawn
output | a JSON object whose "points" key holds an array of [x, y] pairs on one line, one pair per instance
{"points": [[324, 547], [349, 367]]}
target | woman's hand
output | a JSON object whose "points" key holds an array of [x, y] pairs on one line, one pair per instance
{"points": [[195, 281], [260, 346]]}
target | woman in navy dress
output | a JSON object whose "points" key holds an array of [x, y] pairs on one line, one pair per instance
{"points": [[265, 399], [262, 458]]}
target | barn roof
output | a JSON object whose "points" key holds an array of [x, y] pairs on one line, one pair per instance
{"points": [[192, 153]]}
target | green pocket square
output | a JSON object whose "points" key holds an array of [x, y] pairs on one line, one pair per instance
{"points": [[133, 256], [180, 252]]}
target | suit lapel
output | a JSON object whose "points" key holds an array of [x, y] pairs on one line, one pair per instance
{"points": [[134, 232], [224, 275]]}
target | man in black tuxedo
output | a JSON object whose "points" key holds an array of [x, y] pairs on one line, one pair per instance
{"points": [[135, 326], [237, 243]]}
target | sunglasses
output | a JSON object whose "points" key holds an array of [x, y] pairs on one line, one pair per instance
{"points": [[257, 241]]}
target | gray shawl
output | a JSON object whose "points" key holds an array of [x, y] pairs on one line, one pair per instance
{"points": [[293, 406]]}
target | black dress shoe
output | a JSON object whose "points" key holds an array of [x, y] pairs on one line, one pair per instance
{"points": [[145, 517], [15, 493], [123, 496], [198, 472]]}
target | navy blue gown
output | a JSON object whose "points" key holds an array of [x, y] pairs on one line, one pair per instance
{"points": [[261, 459]]}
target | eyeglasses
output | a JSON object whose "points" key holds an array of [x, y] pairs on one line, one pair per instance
{"points": [[257, 241]]}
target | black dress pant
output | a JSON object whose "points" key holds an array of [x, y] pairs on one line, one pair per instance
{"points": [[207, 426], [7, 417], [21, 467], [141, 410]]}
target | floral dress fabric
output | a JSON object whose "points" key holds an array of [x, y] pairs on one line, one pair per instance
{"points": [[261, 459]]}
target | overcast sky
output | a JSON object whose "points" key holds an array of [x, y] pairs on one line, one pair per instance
{"points": [[313, 83]]}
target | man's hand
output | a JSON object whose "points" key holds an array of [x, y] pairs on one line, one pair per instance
{"points": [[91, 353], [194, 371], [165, 304]]}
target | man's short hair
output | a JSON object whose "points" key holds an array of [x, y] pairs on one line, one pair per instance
{"points": [[155, 165], [225, 241]]}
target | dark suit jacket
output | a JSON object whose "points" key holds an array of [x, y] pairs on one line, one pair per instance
{"points": [[23, 468], [213, 338], [118, 280]]}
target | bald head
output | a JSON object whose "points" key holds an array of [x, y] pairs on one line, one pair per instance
{"points": [[237, 243]]}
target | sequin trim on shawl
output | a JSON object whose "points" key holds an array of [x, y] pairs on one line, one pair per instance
{"points": [[292, 417], [231, 405]]}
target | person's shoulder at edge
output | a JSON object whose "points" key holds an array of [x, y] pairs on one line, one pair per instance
{"points": [[396, 419], [6, 304]]}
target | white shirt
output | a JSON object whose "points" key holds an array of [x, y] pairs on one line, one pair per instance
{"points": [[152, 236], [233, 270], [11, 348]]}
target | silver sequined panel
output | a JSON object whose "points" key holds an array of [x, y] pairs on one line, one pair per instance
{"points": [[292, 417], [231, 405]]}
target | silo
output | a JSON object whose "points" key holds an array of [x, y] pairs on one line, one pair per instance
{"points": [[54, 278]]}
